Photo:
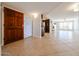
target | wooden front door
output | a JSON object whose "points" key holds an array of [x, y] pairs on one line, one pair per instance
{"points": [[13, 25]]}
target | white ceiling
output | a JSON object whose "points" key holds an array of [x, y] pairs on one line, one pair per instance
{"points": [[40, 7], [63, 11], [52, 9]]}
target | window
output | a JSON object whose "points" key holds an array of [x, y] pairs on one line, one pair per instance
{"points": [[66, 25]]}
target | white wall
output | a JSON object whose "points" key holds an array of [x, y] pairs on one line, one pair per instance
{"points": [[32, 26], [27, 26], [37, 27]]}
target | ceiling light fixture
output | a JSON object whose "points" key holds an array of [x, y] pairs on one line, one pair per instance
{"points": [[35, 15], [76, 10], [74, 7]]}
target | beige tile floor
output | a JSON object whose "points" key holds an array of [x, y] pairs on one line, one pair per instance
{"points": [[59, 43]]}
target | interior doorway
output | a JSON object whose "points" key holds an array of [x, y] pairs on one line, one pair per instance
{"points": [[45, 26]]}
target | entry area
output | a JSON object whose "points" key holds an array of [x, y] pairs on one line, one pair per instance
{"points": [[40, 29]]}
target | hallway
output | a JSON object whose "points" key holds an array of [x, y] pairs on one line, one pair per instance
{"points": [[54, 44]]}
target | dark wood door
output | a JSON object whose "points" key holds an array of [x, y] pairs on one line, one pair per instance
{"points": [[47, 25], [13, 25]]}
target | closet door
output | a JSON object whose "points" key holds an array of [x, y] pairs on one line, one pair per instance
{"points": [[18, 25], [13, 29]]}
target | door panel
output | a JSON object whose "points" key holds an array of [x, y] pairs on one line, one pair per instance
{"points": [[13, 25]]}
